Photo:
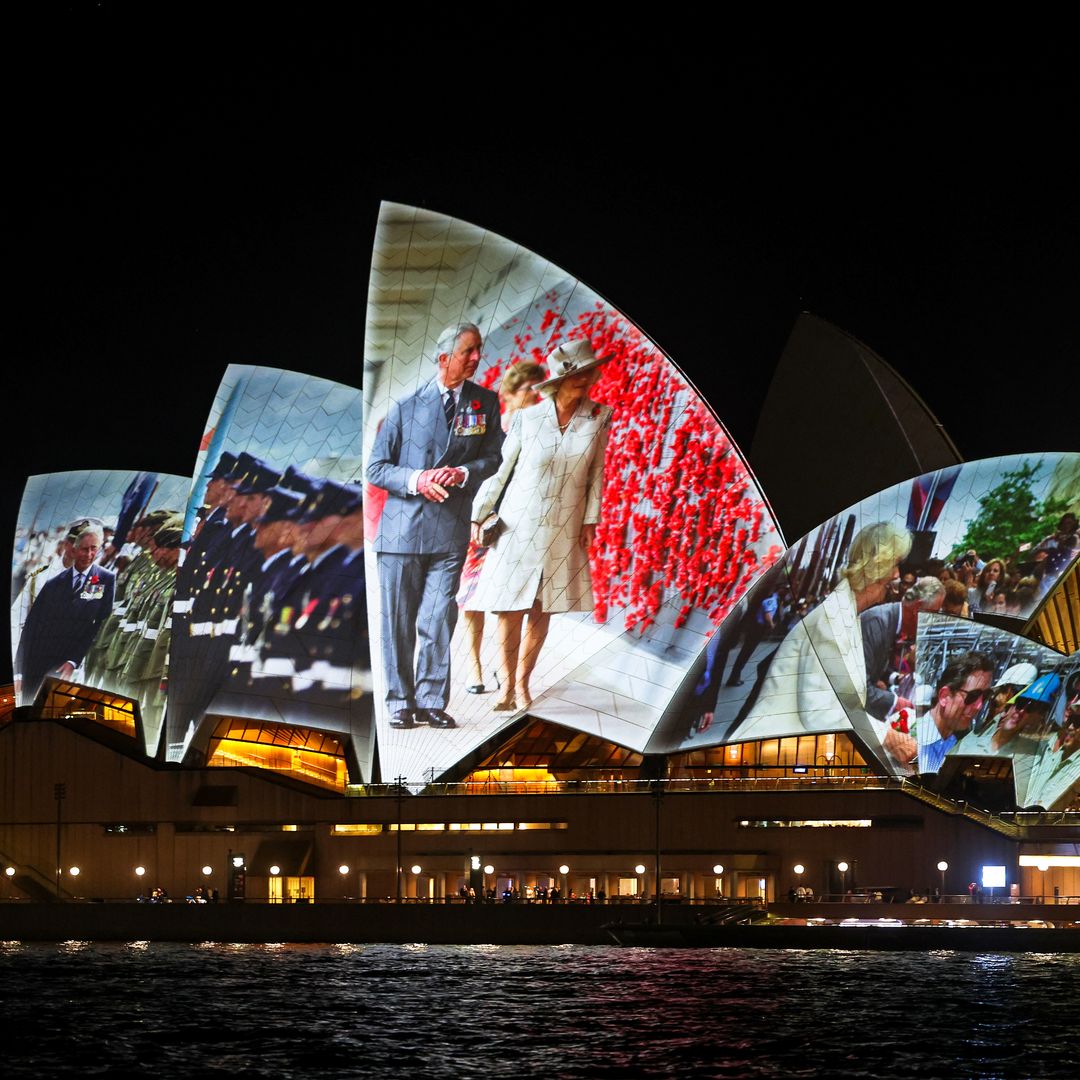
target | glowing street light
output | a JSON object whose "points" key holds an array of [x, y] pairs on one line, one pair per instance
{"points": [[140, 871], [10, 871], [343, 869], [275, 870], [74, 871], [718, 870], [207, 870], [943, 866], [843, 868]]}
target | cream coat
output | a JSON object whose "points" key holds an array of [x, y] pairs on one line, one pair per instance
{"points": [[551, 484], [817, 679]]}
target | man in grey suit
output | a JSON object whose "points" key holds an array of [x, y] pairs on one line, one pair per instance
{"points": [[431, 455]]}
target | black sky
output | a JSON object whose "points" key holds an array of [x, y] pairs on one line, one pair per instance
{"points": [[188, 194]]}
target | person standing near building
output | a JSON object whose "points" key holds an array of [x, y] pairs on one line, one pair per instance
{"points": [[431, 455], [61, 625]]}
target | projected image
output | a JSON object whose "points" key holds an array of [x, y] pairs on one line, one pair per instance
{"points": [[826, 641], [986, 693], [556, 520], [92, 582], [1058, 769], [268, 620]]}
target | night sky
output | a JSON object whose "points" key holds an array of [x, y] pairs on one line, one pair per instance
{"points": [[189, 194]]}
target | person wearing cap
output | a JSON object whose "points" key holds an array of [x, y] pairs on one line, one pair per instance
{"points": [[67, 614], [1013, 679], [547, 492], [432, 453], [146, 659], [275, 534], [1058, 765], [211, 586], [295, 587], [319, 640], [139, 571], [1018, 728], [207, 544]]}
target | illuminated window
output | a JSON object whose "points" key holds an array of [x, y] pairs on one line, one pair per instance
{"points": [[807, 823], [355, 830], [303, 753]]}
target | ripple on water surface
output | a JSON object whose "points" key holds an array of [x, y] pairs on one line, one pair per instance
{"points": [[511, 1011]]}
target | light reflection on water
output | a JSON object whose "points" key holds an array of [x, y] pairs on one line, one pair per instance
{"points": [[282, 1010]]}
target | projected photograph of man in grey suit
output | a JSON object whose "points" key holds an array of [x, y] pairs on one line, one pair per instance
{"points": [[432, 453]]}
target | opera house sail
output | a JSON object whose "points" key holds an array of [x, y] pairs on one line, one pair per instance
{"points": [[527, 559]]}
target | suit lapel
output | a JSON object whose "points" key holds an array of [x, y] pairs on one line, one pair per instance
{"points": [[433, 419]]}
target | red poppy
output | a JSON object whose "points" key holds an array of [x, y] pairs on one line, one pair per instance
{"points": [[475, 405]]}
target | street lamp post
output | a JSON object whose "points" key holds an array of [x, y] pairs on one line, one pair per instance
{"points": [[658, 796], [59, 794], [843, 868], [943, 866], [399, 782], [718, 870]]}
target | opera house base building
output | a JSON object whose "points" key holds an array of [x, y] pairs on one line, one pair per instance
{"points": [[510, 643]]}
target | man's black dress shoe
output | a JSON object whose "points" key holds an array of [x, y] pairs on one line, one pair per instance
{"points": [[439, 718], [404, 718]]}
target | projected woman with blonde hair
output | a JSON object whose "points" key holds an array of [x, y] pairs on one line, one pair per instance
{"points": [[818, 675], [547, 493]]}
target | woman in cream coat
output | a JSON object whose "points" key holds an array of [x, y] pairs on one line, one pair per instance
{"points": [[547, 493]]}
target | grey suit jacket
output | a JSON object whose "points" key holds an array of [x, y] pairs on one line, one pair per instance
{"points": [[414, 436], [879, 633]]}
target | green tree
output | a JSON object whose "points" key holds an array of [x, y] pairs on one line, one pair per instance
{"points": [[1009, 516]]}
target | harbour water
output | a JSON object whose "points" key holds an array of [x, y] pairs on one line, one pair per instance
{"points": [[515, 1011]]}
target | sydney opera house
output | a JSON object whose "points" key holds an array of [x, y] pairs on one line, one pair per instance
{"points": [[519, 615]]}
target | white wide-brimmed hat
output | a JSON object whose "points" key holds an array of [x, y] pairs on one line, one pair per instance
{"points": [[570, 358]]}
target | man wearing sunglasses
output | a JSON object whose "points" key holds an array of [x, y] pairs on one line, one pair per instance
{"points": [[962, 690]]}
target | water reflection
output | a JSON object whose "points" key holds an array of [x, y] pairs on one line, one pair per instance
{"points": [[508, 1011]]}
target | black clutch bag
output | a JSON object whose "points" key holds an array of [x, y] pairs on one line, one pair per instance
{"points": [[490, 529]]}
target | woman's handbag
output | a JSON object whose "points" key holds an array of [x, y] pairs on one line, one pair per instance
{"points": [[491, 529]]}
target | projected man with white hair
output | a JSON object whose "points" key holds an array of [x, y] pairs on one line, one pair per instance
{"points": [[65, 617], [431, 454]]}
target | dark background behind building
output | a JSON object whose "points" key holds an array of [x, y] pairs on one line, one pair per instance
{"points": [[192, 189]]}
